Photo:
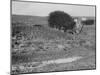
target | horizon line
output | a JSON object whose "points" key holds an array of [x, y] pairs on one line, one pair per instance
{"points": [[47, 16]]}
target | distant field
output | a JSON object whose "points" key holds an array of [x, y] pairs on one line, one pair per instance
{"points": [[30, 20], [46, 44]]}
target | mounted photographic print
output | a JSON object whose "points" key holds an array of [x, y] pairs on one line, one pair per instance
{"points": [[52, 37]]}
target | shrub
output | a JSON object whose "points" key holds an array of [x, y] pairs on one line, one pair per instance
{"points": [[88, 22], [61, 20]]}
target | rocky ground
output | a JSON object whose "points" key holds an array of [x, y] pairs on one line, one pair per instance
{"points": [[33, 46]]}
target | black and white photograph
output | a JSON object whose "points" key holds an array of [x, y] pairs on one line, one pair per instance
{"points": [[52, 37]]}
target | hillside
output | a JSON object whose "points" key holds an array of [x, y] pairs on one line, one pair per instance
{"points": [[43, 49], [29, 19]]}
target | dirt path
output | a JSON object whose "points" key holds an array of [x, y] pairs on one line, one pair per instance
{"points": [[59, 61], [44, 63]]}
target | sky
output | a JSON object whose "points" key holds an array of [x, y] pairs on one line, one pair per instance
{"points": [[43, 9]]}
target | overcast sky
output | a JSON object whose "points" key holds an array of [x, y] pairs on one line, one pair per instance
{"points": [[43, 9]]}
